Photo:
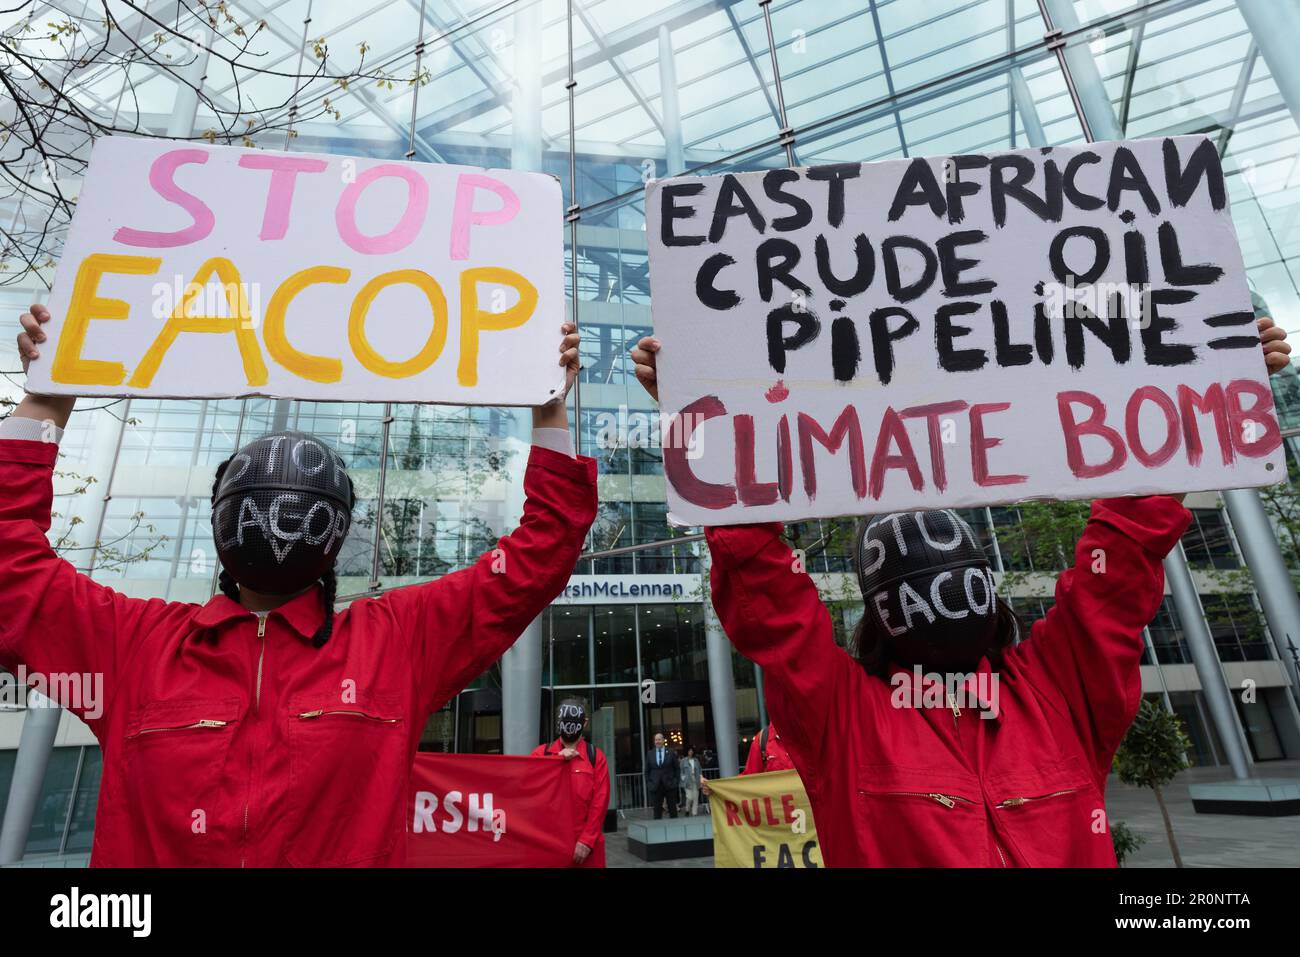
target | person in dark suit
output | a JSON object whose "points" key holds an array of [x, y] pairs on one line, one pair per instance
{"points": [[661, 777]]}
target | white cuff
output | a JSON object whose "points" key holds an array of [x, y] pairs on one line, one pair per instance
{"points": [[557, 440], [37, 430]]}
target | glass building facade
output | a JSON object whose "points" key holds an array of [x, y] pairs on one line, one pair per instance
{"points": [[607, 95]]}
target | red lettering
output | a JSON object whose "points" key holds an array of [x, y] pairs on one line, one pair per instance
{"points": [[1189, 404], [1095, 424], [1257, 413], [677, 468], [1173, 431], [980, 445], [931, 415], [749, 490], [787, 806], [892, 430], [846, 425]]}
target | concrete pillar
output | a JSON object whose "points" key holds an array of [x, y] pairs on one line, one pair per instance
{"points": [[521, 691], [1085, 80], [1275, 26], [40, 726], [674, 152], [722, 681], [1277, 594], [1214, 687]]}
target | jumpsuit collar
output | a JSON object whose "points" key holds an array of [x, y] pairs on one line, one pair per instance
{"points": [[303, 613]]}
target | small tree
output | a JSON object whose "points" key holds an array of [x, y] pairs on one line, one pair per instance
{"points": [[1151, 755], [1125, 840]]}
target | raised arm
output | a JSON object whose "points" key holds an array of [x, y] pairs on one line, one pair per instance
{"points": [[772, 613], [55, 622], [461, 623], [1084, 655]]}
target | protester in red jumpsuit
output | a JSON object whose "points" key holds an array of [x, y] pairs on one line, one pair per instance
{"points": [[590, 780], [773, 757], [261, 728], [905, 772]]}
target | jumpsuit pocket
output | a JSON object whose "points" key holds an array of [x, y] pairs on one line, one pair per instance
{"points": [[348, 768], [921, 817], [174, 759], [1052, 817]]}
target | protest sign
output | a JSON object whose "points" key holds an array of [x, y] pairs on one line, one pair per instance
{"points": [[1065, 322], [216, 271], [490, 810], [763, 820]]}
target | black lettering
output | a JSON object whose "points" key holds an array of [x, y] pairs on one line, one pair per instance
{"points": [[951, 266], [773, 183], [883, 338], [733, 201], [1157, 351], [1100, 254], [1005, 352], [706, 289], [778, 343], [918, 187], [945, 331], [955, 188], [776, 257], [1203, 164], [1126, 174], [1047, 208], [669, 211], [835, 176], [1171, 262], [864, 272], [893, 281]]}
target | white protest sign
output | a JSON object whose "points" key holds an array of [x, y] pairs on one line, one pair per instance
{"points": [[216, 271], [1070, 322]]}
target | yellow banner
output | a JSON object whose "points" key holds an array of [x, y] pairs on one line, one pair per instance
{"points": [[763, 820]]}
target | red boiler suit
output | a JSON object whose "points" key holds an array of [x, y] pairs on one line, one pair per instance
{"points": [[777, 759], [944, 786], [590, 795], [229, 740]]}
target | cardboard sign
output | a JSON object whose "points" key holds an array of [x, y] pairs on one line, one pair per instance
{"points": [[490, 810], [952, 332], [215, 271]]}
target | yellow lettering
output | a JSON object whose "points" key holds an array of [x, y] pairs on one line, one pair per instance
{"points": [[239, 322], [68, 365]]}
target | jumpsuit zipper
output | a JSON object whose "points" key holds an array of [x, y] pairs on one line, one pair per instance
{"points": [[205, 723], [306, 715], [257, 707], [1016, 802]]}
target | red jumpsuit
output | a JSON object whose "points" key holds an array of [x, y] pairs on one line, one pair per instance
{"points": [[232, 741], [777, 759], [590, 796], [907, 786]]}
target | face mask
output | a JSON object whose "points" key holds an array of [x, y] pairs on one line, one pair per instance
{"points": [[572, 718], [281, 511], [927, 587]]}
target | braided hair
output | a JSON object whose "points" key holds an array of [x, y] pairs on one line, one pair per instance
{"points": [[329, 581]]}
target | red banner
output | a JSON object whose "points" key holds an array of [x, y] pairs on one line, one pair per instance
{"points": [[490, 810]]}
